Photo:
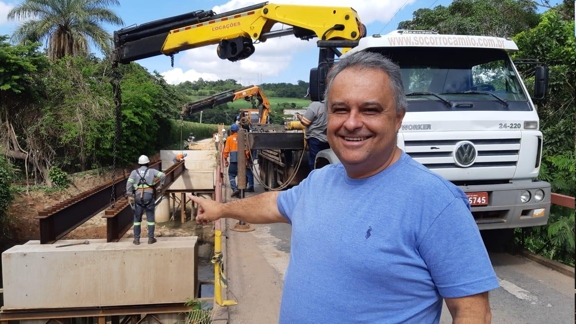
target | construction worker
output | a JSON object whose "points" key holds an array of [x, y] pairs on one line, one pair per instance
{"points": [[179, 157], [231, 150], [141, 195], [224, 135], [216, 137], [315, 120]]}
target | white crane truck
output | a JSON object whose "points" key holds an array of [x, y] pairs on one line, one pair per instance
{"points": [[470, 119]]}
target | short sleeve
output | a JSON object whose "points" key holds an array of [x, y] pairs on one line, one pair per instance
{"points": [[455, 254], [311, 111], [288, 199]]}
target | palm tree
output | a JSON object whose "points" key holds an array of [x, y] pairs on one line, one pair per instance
{"points": [[66, 25]]}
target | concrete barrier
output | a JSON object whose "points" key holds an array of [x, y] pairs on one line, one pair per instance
{"points": [[195, 159], [44, 276], [199, 174]]}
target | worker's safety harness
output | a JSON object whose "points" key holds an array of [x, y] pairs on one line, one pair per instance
{"points": [[141, 188]]}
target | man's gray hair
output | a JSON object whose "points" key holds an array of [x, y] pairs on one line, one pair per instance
{"points": [[370, 60]]}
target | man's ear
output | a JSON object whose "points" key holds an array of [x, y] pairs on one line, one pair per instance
{"points": [[399, 118]]}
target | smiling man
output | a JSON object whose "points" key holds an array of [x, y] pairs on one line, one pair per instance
{"points": [[377, 238]]}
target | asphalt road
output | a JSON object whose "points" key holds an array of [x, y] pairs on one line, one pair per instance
{"points": [[529, 292]]}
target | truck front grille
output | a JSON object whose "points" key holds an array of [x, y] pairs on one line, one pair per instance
{"points": [[438, 154]]}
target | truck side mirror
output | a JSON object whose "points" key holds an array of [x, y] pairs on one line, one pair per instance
{"points": [[540, 83], [318, 81]]}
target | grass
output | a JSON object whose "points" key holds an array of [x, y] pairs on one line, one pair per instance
{"points": [[274, 101], [298, 102]]}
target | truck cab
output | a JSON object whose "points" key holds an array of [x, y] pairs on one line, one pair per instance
{"points": [[471, 120]]}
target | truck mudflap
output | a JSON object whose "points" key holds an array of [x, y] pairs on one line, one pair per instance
{"points": [[501, 206]]}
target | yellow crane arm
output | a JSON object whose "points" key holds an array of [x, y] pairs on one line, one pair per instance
{"points": [[236, 31], [255, 91], [246, 93]]}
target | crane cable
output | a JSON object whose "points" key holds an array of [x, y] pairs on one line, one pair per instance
{"points": [[283, 185], [181, 137], [115, 81]]}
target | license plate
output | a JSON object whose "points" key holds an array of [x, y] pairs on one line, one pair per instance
{"points": [[477, 198]]}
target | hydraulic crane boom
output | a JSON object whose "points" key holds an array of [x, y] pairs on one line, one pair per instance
{"points": [[236, 31], [263, 104]]}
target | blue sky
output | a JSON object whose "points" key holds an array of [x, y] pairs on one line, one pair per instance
{"points": [[284, 59]]}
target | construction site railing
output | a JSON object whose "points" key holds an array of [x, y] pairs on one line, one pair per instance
{"points": [[217, 259]]}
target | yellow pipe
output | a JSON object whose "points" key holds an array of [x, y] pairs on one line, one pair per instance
{"points": [[294, 125], [217, 268]]}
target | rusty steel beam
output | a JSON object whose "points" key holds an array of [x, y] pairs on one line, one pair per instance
{"points": [[45, 314], [562, 200], [58, 220], [119, 218]]}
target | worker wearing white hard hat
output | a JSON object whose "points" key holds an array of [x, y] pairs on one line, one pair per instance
{"points": [[141, 194]]}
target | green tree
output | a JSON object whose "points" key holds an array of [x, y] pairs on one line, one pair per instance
{"points": [[148, 105], [502, 18], [552, 43], [66, 25], [21, 87], [6, 197], [70, 123]]}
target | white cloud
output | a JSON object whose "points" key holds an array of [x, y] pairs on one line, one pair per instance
{"points": [[270, 59], [274, 56], [177, 75], [4, 9]]}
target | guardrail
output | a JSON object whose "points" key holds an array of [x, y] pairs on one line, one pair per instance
{"points": [[562, 200]]}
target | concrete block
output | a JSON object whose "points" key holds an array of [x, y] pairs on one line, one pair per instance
{"points": [[99, 274], [195, 179], [196, 159]]}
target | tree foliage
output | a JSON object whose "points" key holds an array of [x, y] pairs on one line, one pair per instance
{"points": [[502, 18], [60, 113], [6, 197], [21, 91], [552, 43], [66, 25], [286, 90]]}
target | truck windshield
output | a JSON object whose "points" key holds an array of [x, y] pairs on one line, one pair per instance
{"points": [[470, 78]]}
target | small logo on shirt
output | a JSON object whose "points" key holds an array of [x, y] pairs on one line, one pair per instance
{"points": [[368, 232]]}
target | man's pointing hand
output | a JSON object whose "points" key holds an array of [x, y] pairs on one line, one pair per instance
{"points": [[208, 210]]}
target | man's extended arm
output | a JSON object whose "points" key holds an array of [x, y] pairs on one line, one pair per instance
{"points": [[473, 309], [162, 177], [303, 120], [259, 209]]}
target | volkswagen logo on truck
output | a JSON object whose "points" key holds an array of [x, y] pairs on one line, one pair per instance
{"points": [[465, 154]]}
